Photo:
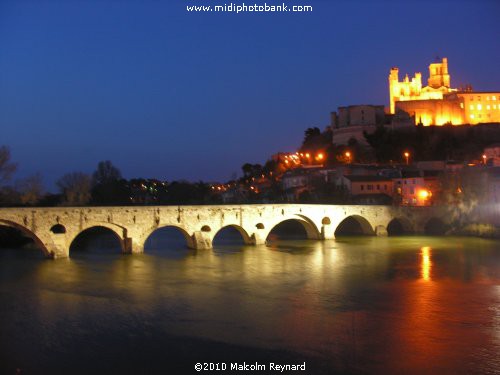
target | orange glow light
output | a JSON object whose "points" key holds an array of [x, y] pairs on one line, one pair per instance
{"points": [[407, 157], [320, 156], [424, 194]]}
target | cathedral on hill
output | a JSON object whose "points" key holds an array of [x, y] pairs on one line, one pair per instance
{"points": [[411, 103], [438, 103]]}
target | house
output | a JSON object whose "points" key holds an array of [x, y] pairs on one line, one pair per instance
{"points": [[369, 189]]}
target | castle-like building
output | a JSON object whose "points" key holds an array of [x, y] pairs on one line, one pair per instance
{"points": [[438, 103]]}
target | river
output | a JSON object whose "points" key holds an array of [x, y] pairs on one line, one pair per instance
{"points": [[355, 305]]}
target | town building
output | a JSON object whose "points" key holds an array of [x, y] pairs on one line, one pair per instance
{"points": [[480, 107], [351, 121], [416, 188], [369, 189], [303, 182], [492, 155]]}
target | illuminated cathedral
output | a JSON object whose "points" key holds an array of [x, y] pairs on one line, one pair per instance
{"points": [[438, 103]]}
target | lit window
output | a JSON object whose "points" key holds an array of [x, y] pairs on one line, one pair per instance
{"points": [[494, 106], [479, 107], [471, 116], [471, 107], [488, 107], [493, 97], [462, 105]]}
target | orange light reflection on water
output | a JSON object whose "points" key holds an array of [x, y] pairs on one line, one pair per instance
{"points": [[426, 264]]}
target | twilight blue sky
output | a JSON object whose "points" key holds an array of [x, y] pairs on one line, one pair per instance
{"points": [[169, 94]]}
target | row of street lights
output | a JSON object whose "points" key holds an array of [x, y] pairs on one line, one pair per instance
{"points": [[320, 157], [348, 157]]}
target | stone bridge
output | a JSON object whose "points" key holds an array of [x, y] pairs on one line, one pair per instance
{"points": [[54, 229]]}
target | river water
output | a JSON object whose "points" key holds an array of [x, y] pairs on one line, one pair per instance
{"points": [[355, 305]]}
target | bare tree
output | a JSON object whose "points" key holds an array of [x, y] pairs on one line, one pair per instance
{"points": [[7, 168], [75, 188], [106, 172], [30, 189]]}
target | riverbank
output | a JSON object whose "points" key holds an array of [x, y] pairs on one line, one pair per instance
{"points": [[477, 230]]}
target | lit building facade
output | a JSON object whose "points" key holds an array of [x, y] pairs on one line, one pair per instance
{"points": [[438, 85], [415, 191], [438, 103], [434, 111], [480, 106]]}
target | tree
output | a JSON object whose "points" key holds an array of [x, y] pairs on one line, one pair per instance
{"points": [[251, 170], [247, 170], [75, 188], [106, 172], [6, 167], [30, 190], [314, 140], [108, 186]]}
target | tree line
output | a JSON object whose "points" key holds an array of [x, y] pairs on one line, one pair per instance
{"points": [[104, 187]]}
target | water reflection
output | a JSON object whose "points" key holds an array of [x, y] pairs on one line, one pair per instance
{"points": [[356, 305], [425, 253]]}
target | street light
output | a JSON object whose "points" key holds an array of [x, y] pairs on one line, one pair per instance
{"points": [[407, 157], [484, 159], [424, 194], [348, 156]]}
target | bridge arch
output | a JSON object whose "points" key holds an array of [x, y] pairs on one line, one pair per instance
{"points": [[399, 226], [435, 227], [354, 225], [244, 235], [38, 242], [310, 228], [119, 233], [185, 234]]}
